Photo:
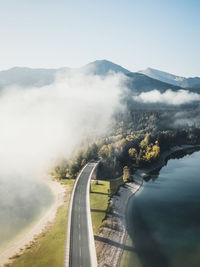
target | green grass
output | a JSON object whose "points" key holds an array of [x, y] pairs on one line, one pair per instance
{"points": [[99, 198], [99, 203], [69, 182], [130, 258], [115, 184], [48, 249]]}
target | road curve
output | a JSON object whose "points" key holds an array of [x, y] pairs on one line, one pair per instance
{"points": [[81, 251]]}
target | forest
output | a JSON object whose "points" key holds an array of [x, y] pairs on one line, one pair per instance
{"points": [[135, 139]]}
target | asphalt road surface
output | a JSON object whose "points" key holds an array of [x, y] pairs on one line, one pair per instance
{"points": [[79, 237]]}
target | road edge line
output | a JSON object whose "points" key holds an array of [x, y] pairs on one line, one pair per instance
{"points": [[92, 249], [67, 242]]}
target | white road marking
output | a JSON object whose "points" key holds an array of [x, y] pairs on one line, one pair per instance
{"points": [[79, 237], [79, 226]]}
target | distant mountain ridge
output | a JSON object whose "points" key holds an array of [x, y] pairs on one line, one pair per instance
{"points": [[28, 77], [142, 81], [172, 79], [139, 82]]}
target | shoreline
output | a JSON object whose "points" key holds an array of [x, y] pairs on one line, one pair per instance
{"points": [[112, 237], [111, 240], [18, 245]]}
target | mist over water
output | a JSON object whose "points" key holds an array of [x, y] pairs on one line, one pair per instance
{"points": [[21, 202], [38, 125]]}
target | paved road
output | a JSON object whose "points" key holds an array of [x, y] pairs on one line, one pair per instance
{"points": [[79, 236]]}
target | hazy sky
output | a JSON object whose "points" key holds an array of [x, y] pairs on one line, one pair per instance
{"points": [[133, 33]]}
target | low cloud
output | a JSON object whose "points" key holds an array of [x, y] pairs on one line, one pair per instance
{"points": [[169, 97], [38, 125]]}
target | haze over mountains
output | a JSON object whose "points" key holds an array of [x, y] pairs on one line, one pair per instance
{"points": [[142, 81], [172, 79]]}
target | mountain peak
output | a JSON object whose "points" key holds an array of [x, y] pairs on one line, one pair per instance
{"points": [[102, 67]]}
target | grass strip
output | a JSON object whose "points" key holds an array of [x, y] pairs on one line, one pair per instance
{"points": [[48, 248], [99, 197]]}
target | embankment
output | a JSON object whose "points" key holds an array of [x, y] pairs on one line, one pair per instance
{"points": [[111, 239]]}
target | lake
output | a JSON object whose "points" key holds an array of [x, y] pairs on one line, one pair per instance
{"points": [[22, 201], [164, 216]]}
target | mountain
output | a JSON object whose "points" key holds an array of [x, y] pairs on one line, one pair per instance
{"points": [[193, 82], [28, 77], [103, 67], [139, 82]]}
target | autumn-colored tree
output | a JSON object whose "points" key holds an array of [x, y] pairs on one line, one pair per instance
{"points": [[133, 153], [119, 145], [129, 138], [152, 152], [106, 151], [144, 143], [126, 174]]}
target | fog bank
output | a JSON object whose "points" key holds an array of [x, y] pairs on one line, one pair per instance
{"points": [[38, 124], [169, 97], [41, 124]]}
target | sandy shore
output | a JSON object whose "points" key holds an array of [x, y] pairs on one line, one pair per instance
{"points": [[110, 241], [18, 245]]}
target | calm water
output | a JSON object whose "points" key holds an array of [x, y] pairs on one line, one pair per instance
{"points": [[21, 202], [164, 217]]}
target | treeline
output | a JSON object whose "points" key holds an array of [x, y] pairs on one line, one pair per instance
{"points": [[115, 152], [136, 140]]}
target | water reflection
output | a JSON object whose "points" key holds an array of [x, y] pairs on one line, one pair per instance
{"points": [[164, 217]]}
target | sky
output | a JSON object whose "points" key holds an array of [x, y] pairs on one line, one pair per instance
{"points": [[135, 34]]}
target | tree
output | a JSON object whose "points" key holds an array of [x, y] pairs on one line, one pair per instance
{"points": [[152, 152], [126, 174], [133, 153], [73, 170], [144, 143], [61, 169]]}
